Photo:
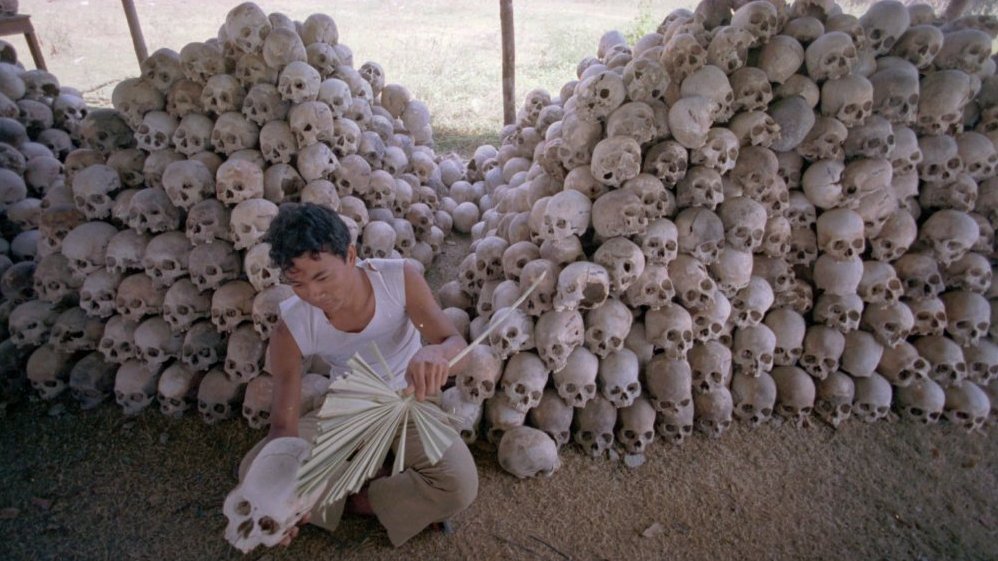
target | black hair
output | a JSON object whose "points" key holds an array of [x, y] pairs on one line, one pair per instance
{"points": [[305, 229]]}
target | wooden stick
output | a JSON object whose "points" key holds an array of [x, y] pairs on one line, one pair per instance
{"points": [[138, 41], [508, 62], [493, 325]]}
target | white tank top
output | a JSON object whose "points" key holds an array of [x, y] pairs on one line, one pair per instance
{"points": [[390, 327]]}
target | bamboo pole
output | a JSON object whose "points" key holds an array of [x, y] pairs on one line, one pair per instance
{"points": [[508, 62], [138, 41]]}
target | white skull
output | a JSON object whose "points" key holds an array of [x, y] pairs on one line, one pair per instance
{"points": [[244, 354], [636, 430], [841, 233], [263, 104], [930, 316], [208, 221], [135, 386], [557, 334], [830, 56], [922, 401], [233, 132], [795, 393], [920, 274], [967, 405], [177, 389], [118, 343], [156, 131], [203, 346], [528, 452], [891, 322], [789, 328], [593, 426], [501, 416], [753, 349], [713, 410], [523, 380], [277, 142], [155, 343], [467, 416], [949, 234], [93, 189], [74, 331], [48, 371], [618, 378], [670, 328], [834, 400], [250, 220], [188, 182], [873, 398], [823, 347], [553, 416], [166, 258], [184, 304], [902, 365], [91, 380], [968, 316], [266, 312], [218, 397], [232, 304], [85, 246], [150, 210], [576, 382], [606, 327]]}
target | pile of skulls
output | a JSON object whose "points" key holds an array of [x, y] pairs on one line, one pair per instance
{"points": [[40, 124], [777, 210], [148, 251]]}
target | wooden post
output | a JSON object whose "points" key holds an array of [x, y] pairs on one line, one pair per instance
{"points": [[138, 41], [508, 62]]}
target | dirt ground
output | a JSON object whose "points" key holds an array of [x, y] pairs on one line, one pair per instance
{"points": [[96, 485]]}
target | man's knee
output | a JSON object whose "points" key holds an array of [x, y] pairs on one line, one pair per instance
{"points": [[459, 479]]}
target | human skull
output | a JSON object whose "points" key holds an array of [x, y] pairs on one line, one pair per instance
{"points": [[208, 221], [91, 380], [872, 398], [155, 343], [795, 394], [557, 334], [232, 304], [177, 389], [890, 322], [618, 378], [135, 386], [593, 426], [250, 220], [218, 397], [921, 401], [203, 346], [576, 382], [118, 342], [823, 347]]}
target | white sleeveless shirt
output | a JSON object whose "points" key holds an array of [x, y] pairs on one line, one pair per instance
{"points": [[390, 328]]}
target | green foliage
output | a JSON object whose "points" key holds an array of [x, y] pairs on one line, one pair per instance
{"points": [[643, 24]]}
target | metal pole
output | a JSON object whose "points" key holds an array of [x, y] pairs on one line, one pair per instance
{"points": [[138, 41], [508, 62]]}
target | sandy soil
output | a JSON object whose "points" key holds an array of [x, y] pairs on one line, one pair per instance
{"points": [[99, 485]]}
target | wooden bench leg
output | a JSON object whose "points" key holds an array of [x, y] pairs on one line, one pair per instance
{"points": [[36, 49]]}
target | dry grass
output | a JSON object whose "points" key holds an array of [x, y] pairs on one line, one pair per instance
{"points": [[447, 52]]}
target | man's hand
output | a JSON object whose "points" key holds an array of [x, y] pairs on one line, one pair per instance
{"points": [[427, 372], [292, 532]]}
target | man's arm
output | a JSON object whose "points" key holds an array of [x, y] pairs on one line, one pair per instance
{"points": [[428, 370], [286, 364]]}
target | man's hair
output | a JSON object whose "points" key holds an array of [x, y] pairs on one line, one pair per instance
{"points": [[305, 229]]}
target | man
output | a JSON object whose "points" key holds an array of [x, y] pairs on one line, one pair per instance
{"points": [[340, 307]]}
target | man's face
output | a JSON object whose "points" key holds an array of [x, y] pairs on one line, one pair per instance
{"points": [[322, 281]]}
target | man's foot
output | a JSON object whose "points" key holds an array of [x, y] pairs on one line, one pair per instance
{"points": [[445, 527], [359, 504]]}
